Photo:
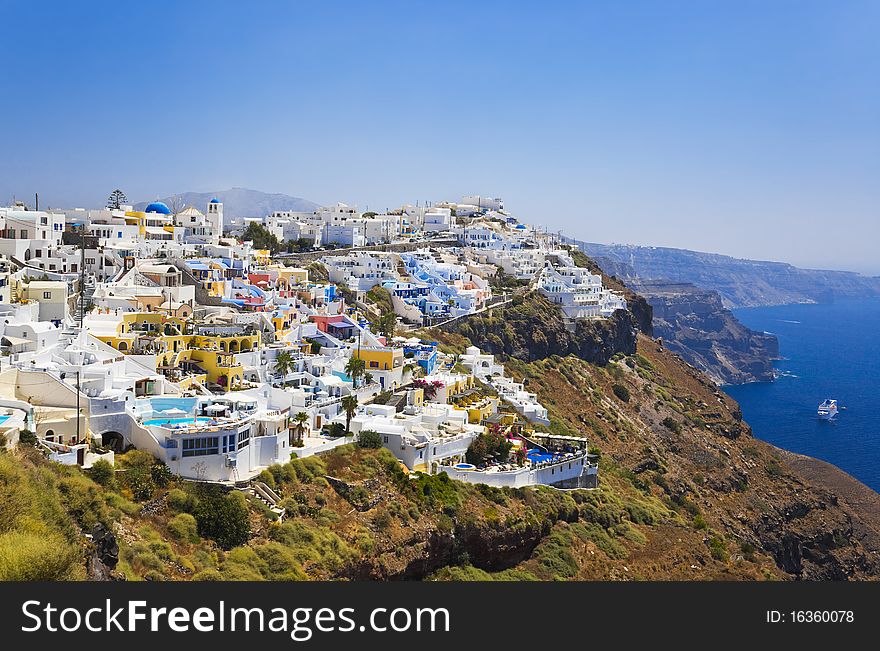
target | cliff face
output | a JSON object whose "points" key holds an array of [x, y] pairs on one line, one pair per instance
{"points": [[694, 324], [532, 328]]}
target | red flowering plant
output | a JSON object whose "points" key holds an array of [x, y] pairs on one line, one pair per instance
{"points": [[430, 388]]}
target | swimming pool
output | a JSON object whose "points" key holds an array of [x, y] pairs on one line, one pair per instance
{"points": [[4, 418], [536, 456], [188, 420]]}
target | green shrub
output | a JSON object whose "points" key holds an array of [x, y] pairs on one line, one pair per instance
{"points": [[283, 474], [83, 499], [118, 502], [335, 430], [208, 575], [369, 439], [279, 563], [243, 564], [315, 545], [28, 556], [671, 424], [621, 392], [139, 475], [308, 469], [602, 539], [223, 517], [774, 468], [161, 474], [183, 528], [27, 438], [382, 520], [554, 556], [101, 472], [718, 548], [181, 501], [267, 478]]}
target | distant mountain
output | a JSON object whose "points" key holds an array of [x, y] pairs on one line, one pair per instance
{"points": [[741, 283], [238, 202]]}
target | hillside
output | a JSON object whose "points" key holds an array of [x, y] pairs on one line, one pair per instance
{"points": [[685, 493], [741, 283], [237, 202], [679, 439]]}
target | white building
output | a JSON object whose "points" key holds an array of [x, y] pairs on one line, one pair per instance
{"points": [[422, 437], [360, 270], [438, 219], [482, 203], [484, 366], [346, 234], [578, 292]]}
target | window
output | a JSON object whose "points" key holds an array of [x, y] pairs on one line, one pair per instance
{"points": [[23, 234], [39, 253], [200, 447], [244, 438], [47, 294], [229, 443]]}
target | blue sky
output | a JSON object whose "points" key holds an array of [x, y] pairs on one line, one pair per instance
{"points": [[747, 128]]}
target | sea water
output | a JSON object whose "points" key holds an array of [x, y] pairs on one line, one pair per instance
{"points": [[828, 351]]}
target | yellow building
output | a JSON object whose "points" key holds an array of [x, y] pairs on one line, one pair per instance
{"points": [[379, 358], [210, 356], [481, 409]]}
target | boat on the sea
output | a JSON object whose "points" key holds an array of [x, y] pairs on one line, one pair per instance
{"points": [[828, 409]]}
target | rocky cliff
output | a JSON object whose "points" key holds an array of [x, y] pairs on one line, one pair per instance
{"points": [[693, 323], [532, 328]]}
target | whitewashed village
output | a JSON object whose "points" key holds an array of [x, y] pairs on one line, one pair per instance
{"points": [[178, 333]]}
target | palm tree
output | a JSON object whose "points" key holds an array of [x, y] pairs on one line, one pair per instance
{"points": [[349, 404], [283, 363], [300, 419], [355, 368]]}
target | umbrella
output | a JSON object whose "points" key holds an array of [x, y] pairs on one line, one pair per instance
{"points": [[174, 411]]}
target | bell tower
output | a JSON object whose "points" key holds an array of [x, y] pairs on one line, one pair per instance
{"points": [[215, 218]]}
